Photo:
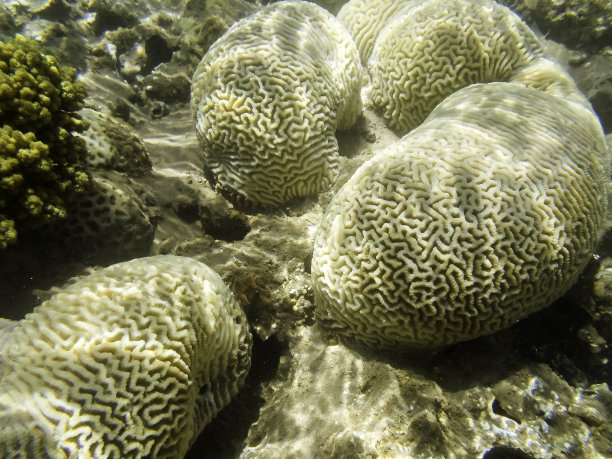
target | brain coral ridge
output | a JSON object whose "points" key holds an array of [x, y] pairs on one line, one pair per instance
{"points": [[268, 97], [418, 53], [130, 361], [485, 213]]}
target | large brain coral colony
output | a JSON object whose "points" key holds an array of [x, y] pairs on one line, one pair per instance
{"points": [[39, 156], [131, 361], [485, 213], [418, 53], [267, 99]]}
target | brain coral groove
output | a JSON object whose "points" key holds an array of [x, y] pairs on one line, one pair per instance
{"points": [[485, 213], [267, 99], [130, 361]]}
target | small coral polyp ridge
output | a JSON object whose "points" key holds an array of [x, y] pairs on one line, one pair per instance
{"points": [[39, 157], [419, 53], [482, 215], [268, 97], [130, 361]]}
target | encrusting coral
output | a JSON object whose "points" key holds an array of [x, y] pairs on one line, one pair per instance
{"points": [[112, 144], [485, 213], [130, 361], [39, 155], [267, 99], [105, 223]]}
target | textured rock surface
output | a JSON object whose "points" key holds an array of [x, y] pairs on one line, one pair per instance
{"points": [[576, 23], [592, 78], [484, 214], [341, 403], [129, 361], [267, 99]]}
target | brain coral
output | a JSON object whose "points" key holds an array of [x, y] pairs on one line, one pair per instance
{"points": [[482, 215], [130, 361], [424, 53], [39, 156], [548, 76], [268, 97]]}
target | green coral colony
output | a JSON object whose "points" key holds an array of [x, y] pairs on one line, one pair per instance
{"points": [[39, 156]]}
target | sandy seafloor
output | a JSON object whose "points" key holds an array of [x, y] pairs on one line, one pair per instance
{"points": [[538, 389]]}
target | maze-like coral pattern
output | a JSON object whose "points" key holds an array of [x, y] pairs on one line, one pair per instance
{"points": [[130, 361], [365, 19], [268, 97], [423, 54], [484, 214]]}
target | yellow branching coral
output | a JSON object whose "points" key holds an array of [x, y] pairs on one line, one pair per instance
{"points": [[39, 155]]}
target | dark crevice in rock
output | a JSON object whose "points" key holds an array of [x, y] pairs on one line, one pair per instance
{"points": [[602, 104], [157, 51], [188, 212], [108, 19], [56, 11], [500, 411], [506, 452], [229, 228], [308, 263]]}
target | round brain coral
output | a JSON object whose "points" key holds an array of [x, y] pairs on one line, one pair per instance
{"points": [[421, 54], [267, 99], [39, 156], [130, 361], [485, 213]]}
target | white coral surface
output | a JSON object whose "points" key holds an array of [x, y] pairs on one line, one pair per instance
{"points": [[268, 97], [129, 361], [484, 214]]}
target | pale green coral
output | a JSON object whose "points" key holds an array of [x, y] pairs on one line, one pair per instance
{"points": [[39, 155], [484, 214], [267, 99], [420, 53]]}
